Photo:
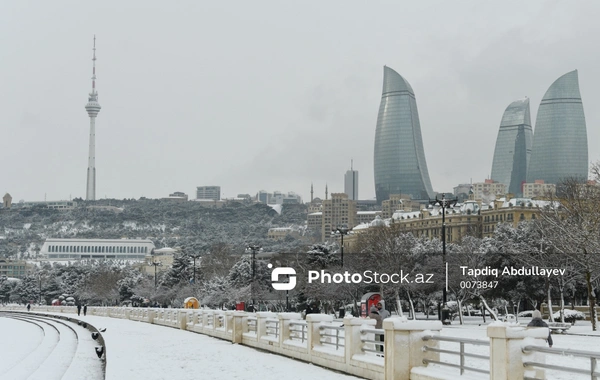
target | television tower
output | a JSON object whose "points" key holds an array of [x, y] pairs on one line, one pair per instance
{"points": [[92, 108]]}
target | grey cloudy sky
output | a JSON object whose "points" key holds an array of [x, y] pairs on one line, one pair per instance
{"points": [[270, 95]]}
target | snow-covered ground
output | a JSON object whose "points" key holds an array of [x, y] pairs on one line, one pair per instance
{"points": [[579, 337], [137, 350]]}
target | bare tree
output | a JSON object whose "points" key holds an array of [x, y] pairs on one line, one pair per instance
{"points": [[571, 223]]}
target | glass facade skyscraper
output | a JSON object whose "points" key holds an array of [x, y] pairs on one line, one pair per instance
{"points": [[513, 147], [399, 158], [560, 148]]}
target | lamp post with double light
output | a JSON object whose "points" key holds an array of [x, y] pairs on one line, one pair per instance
{"points": [[341, 231], [156, 264], [444, 204], [253, 248]]}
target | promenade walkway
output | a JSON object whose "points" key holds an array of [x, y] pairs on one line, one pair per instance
{"points": [[136, 350]]}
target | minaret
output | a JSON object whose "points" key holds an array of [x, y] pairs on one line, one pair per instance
{"points": [[92, 108], [311, 193], [326, 191]]}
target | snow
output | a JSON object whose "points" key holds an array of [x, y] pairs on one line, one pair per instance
{"points": [[580, 337], [137, 350]]}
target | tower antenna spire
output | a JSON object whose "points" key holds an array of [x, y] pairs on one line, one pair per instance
{"points": [[92, 108], [94, 93]]}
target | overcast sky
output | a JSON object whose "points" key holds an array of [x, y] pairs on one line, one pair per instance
{"points": [[270, 95]]}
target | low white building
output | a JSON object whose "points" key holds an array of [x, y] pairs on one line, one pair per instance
{"points": [[98, 249]]}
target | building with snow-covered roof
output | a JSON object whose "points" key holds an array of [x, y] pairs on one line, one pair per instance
{"points": [[280, 233], [366, 216], [470, 218], [97, 249], [488, 190], [163, 257]]}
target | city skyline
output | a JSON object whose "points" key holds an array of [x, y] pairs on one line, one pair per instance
{"points": [[270, 96]]}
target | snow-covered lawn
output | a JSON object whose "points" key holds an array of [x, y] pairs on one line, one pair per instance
{"points": [[579, 337]]}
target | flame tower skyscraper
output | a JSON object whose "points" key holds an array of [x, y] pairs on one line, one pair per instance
{"points": [[92, 108], [399, 157]]}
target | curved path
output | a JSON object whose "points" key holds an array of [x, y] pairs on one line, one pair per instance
{"points": [[44, 348]]}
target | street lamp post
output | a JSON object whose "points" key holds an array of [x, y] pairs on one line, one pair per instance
{"points": [[342, 230], [156, 264], [195, 256], [444, 203], [253, 248], [40, 275]]}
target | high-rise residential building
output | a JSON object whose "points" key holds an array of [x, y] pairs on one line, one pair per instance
{"points": [[560, 147], [92, 108], [337, 211], [488, 190], [208, 192], [351, 183], [538, 189], [513, 147], [399, 158]]}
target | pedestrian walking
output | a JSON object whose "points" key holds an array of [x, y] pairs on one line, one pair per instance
{"points": [[78, 309], [374, 314], [84, 309], [28, 306], [537, 321]]}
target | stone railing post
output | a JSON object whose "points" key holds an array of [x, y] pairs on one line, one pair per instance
{"points": [[239, 318], [403, 345], [313, 336], [228, 322], [352, 342], [506, 355], [151, 315], [284, 325], [205, 319], [182, 319]]}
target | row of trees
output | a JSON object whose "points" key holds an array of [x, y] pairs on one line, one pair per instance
{"points": [[566, 235]]}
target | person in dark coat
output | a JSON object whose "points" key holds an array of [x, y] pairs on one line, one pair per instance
{"points": [[312, 309], [537, 321], [28, 306], [78, 309], [84, 309], [374, 314]]}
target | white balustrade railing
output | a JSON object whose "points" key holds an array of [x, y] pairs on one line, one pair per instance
{"points": [[408, 350], [372, 340], [298, 331], [332, 335]]}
